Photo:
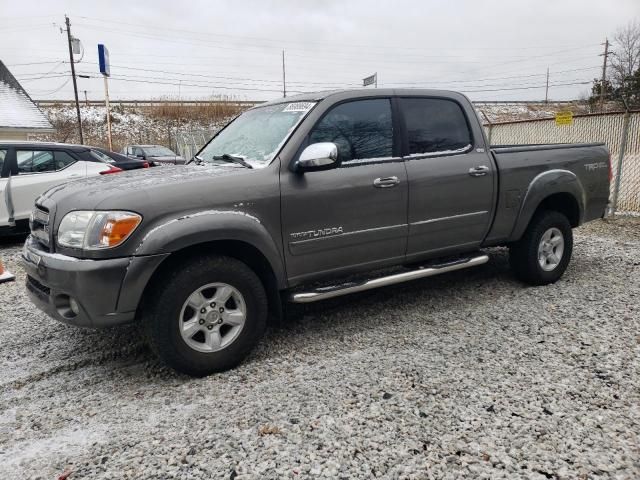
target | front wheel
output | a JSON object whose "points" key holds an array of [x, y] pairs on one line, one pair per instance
{"points": [[206, 316], [543, 253]]}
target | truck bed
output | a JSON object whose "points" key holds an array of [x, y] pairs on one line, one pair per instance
{"points": [[520, 167]]}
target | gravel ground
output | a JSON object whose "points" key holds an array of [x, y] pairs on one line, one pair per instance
{"points": [[468, 375]]}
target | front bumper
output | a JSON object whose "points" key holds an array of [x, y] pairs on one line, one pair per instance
{"points": [[82, 292]]}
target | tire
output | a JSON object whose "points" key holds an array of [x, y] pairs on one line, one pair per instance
{"points": [[217, 335], [528, 254]]}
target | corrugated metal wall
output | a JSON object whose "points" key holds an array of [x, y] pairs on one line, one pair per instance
{"points": [[607, 128]]}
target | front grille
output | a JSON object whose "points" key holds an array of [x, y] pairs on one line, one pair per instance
{"points": [[39, 225]]}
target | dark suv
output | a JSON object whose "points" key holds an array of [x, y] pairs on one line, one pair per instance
{"points": [[157, 154]]}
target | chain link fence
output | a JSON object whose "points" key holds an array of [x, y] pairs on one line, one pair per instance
{"points": [[188, 142], [619, 131]]}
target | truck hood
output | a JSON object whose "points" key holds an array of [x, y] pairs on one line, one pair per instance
{"points": [[137, 189]]}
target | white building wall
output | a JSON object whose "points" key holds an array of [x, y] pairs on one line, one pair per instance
{"points": [[14, 134]]}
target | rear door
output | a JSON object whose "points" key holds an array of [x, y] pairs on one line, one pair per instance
{"points": [[37, 170], [353, 217], [451, 178]]}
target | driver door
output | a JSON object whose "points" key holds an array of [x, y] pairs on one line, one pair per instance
{"points": [[354, 217]]}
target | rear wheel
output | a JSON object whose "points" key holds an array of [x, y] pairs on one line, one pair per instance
{"points": [[544, 252], [207, 316]]}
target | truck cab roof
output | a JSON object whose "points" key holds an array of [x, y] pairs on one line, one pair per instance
{"points": [[345, 94]]}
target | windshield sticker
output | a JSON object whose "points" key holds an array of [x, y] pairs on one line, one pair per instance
{"points": [[299, 107]]}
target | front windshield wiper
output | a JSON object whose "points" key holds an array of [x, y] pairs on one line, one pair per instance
{"points": [[225, 157], [197, 160]]}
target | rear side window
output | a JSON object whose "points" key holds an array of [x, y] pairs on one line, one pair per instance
{"points": [[63, 160], [102, 157], [362, 129], [435, 125], [3, 154], [42, 161]]}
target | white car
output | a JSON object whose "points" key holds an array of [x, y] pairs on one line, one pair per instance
{"points": [[27, 169]]}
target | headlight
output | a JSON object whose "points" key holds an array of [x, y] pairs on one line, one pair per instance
{"points": [[96, 230]]}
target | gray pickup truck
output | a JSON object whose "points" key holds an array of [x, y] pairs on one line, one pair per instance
{"points": [[299, 200]]}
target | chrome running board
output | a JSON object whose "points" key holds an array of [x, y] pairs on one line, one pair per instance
{"points": [[324, 293]]}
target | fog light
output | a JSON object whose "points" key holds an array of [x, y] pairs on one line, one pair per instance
{"points": [[67, 307], [73, 305]]}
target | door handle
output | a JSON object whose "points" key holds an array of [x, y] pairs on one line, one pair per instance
{"points": [[386, 182], [479, 171]]}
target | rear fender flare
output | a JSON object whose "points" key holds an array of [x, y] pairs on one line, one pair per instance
{"points": [[544, 185]]}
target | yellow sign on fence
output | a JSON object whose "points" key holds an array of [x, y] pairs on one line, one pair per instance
{"points": [[564, 118]]}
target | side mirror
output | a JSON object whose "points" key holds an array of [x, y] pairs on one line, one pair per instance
{"points": [[318, 156]]}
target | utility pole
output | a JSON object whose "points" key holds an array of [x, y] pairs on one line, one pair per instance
{"points": [[546, 92], [284, 78], [73, 76], [603, 84]]}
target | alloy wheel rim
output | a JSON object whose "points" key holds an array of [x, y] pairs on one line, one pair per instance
{"points": [[212, 317], [550, 249]]}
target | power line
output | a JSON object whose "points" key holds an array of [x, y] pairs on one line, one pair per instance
{"points": [[64, 84], [280, 41], [225, 87], [193, 74], [43, 76], [221, 87], [358, 55], [182, 81], [528, 88], [34, 63], [494, 78], [17, 17], [332, 84], [299, 85], [26, 28]]}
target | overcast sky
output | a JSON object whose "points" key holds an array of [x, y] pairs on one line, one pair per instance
{"points": [[490, 49]]}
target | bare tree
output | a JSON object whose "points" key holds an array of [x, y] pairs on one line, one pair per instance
{"points": [[626, 59]]}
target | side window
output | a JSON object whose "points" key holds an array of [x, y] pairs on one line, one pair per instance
{"points": [[3, 154], [137, 151], [102, 157], [361, 129], [63, 160], [435, 125], [35, 161]]}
